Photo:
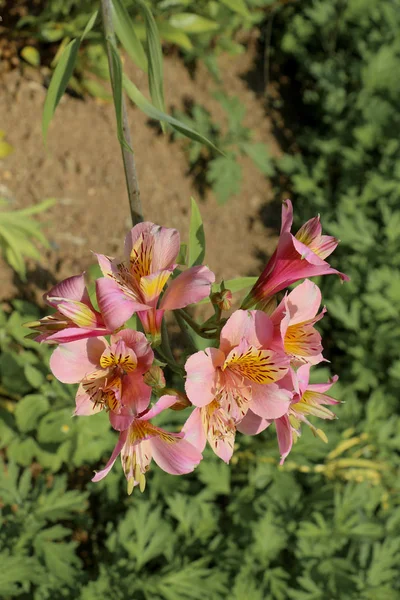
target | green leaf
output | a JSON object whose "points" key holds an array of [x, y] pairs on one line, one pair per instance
{"points": [[237, 6], [58, 83], [197, 241], [127, 35], [89, 25], [261, 157], [116, 83], [174, 36], [225, 176], [192, 23], [154, 56], [151, 111], [29, 410], [34, 376]]}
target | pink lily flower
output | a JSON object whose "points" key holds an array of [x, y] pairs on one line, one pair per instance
{"points": [[75, 317], [135, 286], [296, 257], [110, 376], [294, 321], [143, 441], [309, 399], [225, 383]]}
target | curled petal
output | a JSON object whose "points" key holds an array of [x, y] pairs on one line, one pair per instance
{"points": [[189, 287], [72, 288], [117, 450], [162, 404], [323, 387], [285, 436], [252, 424]]}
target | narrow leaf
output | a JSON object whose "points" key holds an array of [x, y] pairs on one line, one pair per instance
{"points": [[116, 84], [237, 6], [58, 83], [234, 285], [151, 111], [127, 35], [154, 56], [197, 242], [192, 23], [90, 25]]}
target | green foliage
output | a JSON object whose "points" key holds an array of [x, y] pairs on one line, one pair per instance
{"points": [[224, 173], [18, 234]]}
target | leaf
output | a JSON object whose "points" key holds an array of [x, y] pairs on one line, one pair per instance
{"points": [[192, 23], [127, 35], [154, 57], [31, 55], [237, 6], [89, 25], [174, 36], [58, 83], [151, 111], [197, 241], [34, 376], [225, 176], [235, 285], [116, 83], [261, 157], [29, 410]]}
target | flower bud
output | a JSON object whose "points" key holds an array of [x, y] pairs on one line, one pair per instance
{"points": [[222, 299], [155, 378]]}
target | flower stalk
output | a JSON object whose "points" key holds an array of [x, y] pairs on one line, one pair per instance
{"points": [[128, 158]]}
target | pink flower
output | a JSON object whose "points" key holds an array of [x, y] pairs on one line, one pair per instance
{"points": [[110, 375], [75, 317], [143, 441], [136, 285], [224, 383], [294, 321], [296, 257], [309, 399]]}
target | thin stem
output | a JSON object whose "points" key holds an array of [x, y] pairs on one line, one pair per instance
{"points": [[132, 184], [195, 326]]}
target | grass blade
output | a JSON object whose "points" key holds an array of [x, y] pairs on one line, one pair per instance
{"points": [[127, 35]]}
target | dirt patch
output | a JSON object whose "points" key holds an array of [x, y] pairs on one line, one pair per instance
{"points": [[82, 168]]}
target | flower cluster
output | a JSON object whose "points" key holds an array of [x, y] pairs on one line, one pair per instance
{"points": [[255, 372]]}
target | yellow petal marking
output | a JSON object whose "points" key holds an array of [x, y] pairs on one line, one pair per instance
{"points": [[256, 365]]}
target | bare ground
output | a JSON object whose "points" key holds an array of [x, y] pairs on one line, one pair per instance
{"points": [[82, 169]]}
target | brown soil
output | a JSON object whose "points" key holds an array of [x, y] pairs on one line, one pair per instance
{"points": [[82, 168]]}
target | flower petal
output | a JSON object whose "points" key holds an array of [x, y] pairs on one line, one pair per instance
{"points": [[139, 344], [323, 387], [303, 302], [162, 404], [252, 424], [189, 287], [173, 454], [152, 285], [114, 305], [72, 288], [194, 430], [252, 325], [117, 450], [285, 436], [70, 363], [270, 401], [201, 378]]}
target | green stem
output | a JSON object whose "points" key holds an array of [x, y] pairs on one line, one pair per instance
{"points": [[195, 326], [132, 184]]}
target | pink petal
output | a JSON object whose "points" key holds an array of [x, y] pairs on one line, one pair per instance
{"points": [[194, 430], [310, 231], [270, 401], [84, 406], [105, 264], [114, 305], [285, 436], [201, 381], [132, 237], [166, 248], [304, 302], [189, 287], [175, 457], [71, 334], [162, 404], [326, 245], [287, 216], [252, 325], [139, 344], [303, 377], [252, 424], [152, 285], [322, 387], [72, 288], [71, 362], [121, 441]]}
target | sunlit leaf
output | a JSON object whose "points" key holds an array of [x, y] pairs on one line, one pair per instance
{"points": [[127, 35], [192, 23], [197, 242]]}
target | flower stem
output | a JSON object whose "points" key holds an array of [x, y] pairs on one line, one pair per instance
{"points": [[132, 184], [195, 326]]}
